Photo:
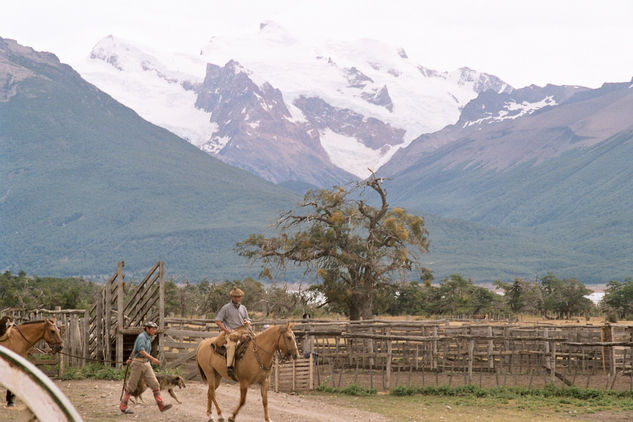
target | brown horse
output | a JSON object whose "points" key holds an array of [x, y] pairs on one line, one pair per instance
{"points": [[21, 338], [253, 367]]}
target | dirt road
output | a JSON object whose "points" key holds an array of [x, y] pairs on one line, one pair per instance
{"points": [[97, 401]]}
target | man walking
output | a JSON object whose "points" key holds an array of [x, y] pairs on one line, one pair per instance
{"points": [[233, 320], [140, 368]]}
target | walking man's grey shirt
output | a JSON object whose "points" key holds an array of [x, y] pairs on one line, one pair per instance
{"points": [[231, 316]]}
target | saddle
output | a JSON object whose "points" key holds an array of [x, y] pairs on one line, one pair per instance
{"points": [[240, 349]]}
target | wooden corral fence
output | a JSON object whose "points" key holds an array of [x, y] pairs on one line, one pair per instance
{"points": [[385, 354], [376, 353]]}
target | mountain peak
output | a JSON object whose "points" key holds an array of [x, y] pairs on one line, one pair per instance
{"points": [[274, 32], [119, 53], [373, 98]]}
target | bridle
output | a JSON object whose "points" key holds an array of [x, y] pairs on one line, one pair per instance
{"points": [[258, 359], [56, 347]]}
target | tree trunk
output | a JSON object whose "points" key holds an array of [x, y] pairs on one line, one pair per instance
{"points": [[354, 311], [361, 306], [367, 307]]}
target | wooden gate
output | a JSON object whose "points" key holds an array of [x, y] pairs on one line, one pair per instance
{"points": [[114, 321]]}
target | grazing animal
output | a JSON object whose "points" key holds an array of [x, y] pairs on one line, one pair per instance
{"points": [[253, 368], [21, 338], [166, 382]]}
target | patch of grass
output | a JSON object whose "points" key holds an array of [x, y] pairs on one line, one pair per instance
{"points": [[93, 371], [569, 398], [500, 404], [514, 392], [350, 390], [99, 371]]}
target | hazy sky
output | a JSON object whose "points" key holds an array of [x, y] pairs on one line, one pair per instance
{"points": [[522, 42]]}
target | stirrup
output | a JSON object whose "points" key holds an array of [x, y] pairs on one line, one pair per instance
{"points": [[230, 370]]}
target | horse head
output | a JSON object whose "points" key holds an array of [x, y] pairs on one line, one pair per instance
{"points": [[287, 342], [52, 335]]}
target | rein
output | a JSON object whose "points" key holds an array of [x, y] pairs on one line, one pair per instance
{"points": [[60, 352], [17, 327], [257, 358]]}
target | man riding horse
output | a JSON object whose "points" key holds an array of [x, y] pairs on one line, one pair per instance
{"points": [[234, 323]]}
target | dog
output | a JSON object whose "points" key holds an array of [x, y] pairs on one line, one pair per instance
{"points": [[166, 382]]}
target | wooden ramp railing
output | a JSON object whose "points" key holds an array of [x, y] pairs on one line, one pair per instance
{"points": [[115, 321]]}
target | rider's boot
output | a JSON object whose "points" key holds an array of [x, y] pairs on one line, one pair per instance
{"points": [[123, 405], [159, 401]]}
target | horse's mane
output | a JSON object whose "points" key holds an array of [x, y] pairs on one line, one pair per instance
{"points": [[38, 321], [282, 328]]}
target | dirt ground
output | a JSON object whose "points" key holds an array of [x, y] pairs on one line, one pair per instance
{"points": [[97, 401]]}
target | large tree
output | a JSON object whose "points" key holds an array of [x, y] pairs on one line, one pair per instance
{"points": [[618, 297], [354, 248], [565, 297]]}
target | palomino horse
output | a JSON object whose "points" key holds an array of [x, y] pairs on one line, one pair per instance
{"points": [[253, 367], [21, 338]]}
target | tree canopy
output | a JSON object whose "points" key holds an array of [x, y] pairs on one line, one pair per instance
{"points": [[354, 248], [618, 297], [549, 294]]}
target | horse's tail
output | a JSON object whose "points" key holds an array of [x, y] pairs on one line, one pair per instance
{"points": [[202, 375]]}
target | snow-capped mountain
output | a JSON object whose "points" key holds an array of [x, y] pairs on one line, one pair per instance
{"points": [[530, 125], [490, 107], [286, 109]]}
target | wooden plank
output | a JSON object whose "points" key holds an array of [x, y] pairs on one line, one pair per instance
{"points": [[141, 291], [173, 344], [180, 361], [145, 304], [190, 333], [132, 299]]}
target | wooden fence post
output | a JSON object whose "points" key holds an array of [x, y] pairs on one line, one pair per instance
{"points": [[86, 331], [108, 319], [491, 349], [388, 363], [161, 311], [311, 372], [553, 361], [119, 317], [99, 329], [471, 355], [434, 350], [62, 359]]}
